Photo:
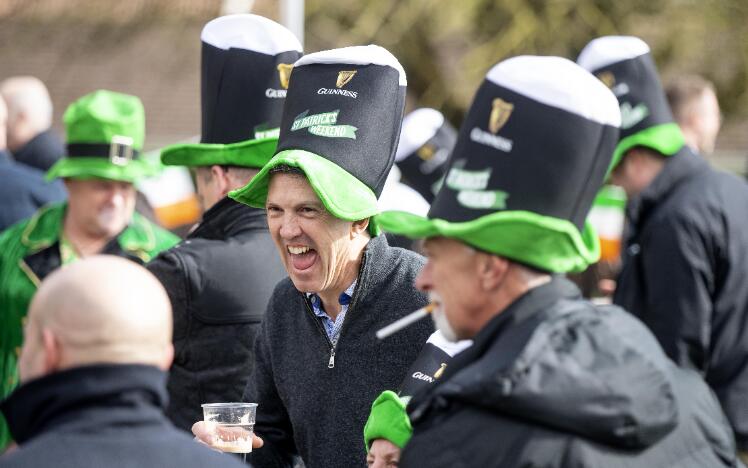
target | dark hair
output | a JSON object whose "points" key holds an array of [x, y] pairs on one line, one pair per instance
{"points": [[286, 169]]}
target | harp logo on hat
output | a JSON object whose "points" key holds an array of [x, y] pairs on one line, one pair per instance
{"points": [[284, 73], [426, 152], [344, 77], [607, 78], [500, 112], [324, 125]]}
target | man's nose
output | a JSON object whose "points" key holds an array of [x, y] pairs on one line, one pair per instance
{"points": [[289, 228], [423, 280]]}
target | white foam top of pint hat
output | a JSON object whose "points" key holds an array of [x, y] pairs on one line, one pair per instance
{"points": [[356, 55], [607, 50], [249, 32], [558, 82], [418, 127]]}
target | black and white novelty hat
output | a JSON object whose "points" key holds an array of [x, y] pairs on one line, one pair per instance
{"points": [[529, 159], [625, 65], [426, 141], [246, 65], [340, 125]]}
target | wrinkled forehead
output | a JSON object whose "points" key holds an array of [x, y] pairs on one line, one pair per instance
{"points": [[435, 244], [291, 188]]}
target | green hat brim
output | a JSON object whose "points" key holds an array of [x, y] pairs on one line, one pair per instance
{"points": [[250, 153], [665, 138], [101, 168], [544, 242], [342, 194]]}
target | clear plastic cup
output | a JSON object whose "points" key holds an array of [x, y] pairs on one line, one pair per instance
{"points": [[232, 425]]}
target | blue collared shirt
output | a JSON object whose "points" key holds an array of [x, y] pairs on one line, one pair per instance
{"points": [[332, 328]]}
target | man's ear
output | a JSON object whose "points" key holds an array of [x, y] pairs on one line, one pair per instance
{"points": [[52, 351], [492, 270], [359, 227], [221, 177]]}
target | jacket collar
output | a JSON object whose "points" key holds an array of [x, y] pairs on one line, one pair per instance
{"points": [[42, 234], [228, 218], [44, 142], [44, 228], [677, 169], [108, 393], [529, 306]]}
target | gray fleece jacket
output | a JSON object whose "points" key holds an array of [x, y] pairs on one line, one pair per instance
{"points": [[316, 408]]}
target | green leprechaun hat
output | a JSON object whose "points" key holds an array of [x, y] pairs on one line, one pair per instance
{"points": [[625, 65], [104, 136], [530, 156], [340, 126], [246, 65]]}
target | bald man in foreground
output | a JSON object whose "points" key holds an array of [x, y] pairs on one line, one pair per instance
{"points": [[92, 394]]}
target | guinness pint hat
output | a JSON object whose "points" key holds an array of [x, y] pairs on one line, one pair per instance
{"points": [[625, 65], [246, 64], [104, 133], [426, 141], [340, 125], [529, 159]]}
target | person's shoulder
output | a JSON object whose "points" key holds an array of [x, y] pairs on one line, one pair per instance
{"points": [[36, 230], [284, 291], [394, 259], [147, 237]]}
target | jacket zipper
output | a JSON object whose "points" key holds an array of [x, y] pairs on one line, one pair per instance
{"points": [[331, 361]]}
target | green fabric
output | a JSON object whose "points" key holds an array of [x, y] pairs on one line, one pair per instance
{"points": [[388, 420], [543, 242], [18, 283], [88, 168], [610, 196], [250, 153], [665, 138], [343, 195], [98, 116]]}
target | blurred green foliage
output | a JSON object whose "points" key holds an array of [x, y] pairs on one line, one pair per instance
{"points": [[446, 46]]}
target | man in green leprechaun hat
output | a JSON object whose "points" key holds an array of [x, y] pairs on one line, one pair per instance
{"points": [[220, 278], [104, 136]]}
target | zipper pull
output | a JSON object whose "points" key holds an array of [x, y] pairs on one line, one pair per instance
{"points": [[331, 363]]}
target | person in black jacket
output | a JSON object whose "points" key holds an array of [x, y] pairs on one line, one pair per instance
{"points": [[22, 188], [551, 380], [686, 255], [98, 342], [220, 278], [30, 138], [319, 364]]}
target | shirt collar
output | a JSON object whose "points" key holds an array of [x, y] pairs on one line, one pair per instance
{"points": [[343, 299]]}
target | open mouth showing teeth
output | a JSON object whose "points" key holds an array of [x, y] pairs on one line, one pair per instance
{"points": [[302, 256]]}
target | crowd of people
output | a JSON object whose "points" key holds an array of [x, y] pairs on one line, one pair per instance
{"points": [[327, 217]]}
